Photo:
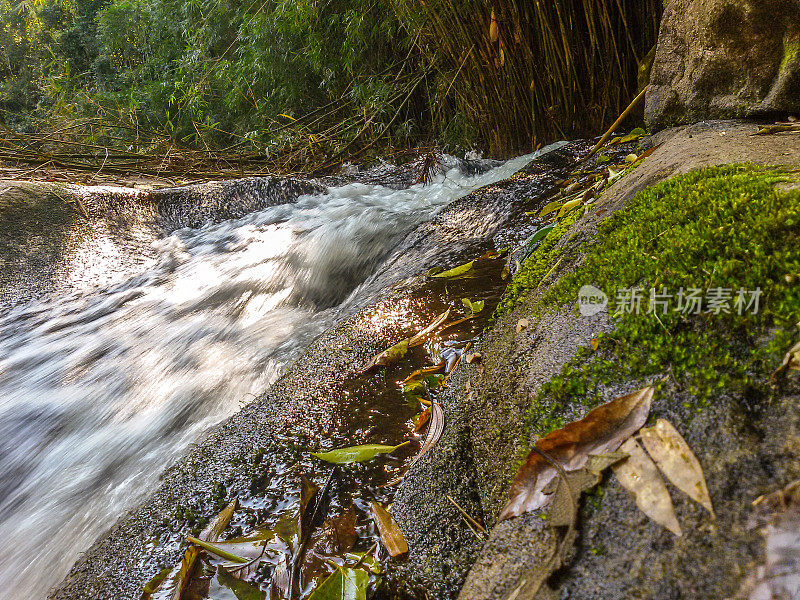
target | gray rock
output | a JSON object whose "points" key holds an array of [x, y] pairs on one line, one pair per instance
{"points": [[725, 59]]}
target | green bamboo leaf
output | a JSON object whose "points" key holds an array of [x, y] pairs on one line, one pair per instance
{"points": [[343, 584], [540, 234], [455, 271], [214, 549], [356, 453]]}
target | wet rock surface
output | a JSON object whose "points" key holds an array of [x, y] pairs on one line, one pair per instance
{"points": [[721, 59], [314, 398]]}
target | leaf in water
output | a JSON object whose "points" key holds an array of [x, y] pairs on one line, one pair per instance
{"points": [[601, 159], [388, 356], [152, 586], [473, 307], [455, 271], [631, 158], [363, 558], [790, 361], [420, 373], [391, 536], [314, 504], [434, 431], [677, 461], [599, 432], [343, 584], [241, 589], [218, 524], [640, 475], [339, 533], [421, 419], [356, 453], [550, 207], [181, 581], [218, 550], [423, 335]]}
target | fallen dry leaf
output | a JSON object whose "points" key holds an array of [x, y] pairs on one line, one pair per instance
{"points": [[677, 461], [790, 361], [599, 432], [595, 344], [639, 475], [473, 357], [420, 421], [391, 536], [522, 324]]}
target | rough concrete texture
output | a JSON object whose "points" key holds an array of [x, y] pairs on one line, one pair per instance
{"points": [[725, 59]]}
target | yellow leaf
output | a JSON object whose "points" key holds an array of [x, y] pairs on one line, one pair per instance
{"points": [[640, 475], [677, 461]]}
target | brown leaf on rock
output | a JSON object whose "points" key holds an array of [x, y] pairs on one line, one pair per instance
{"points": [[790, 361], [639, 475], [677, 461], [522, 324], [391, 536], [599, 432]]}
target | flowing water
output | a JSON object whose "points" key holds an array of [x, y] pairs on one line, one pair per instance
{"points": [[102, 388]]}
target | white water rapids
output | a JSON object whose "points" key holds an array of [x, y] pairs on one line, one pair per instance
{"points": [[101, 389]]}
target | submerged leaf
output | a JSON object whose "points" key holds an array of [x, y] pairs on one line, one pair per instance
{"points": [[423, 335], [356, 453], [389, 356], [473, 307], [241, 589], [599, 432], [639, 475], [421, 419], [391, 536], [677, 461], [343, 584], [455, 271]]}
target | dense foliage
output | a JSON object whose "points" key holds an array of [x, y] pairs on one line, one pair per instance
{"points": [[327, 76]]}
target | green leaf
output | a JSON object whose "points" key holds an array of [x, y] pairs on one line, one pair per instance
{"points": [[356, 453], [343, 584], [474, 307], [241, 589], [639, 132], [539, 235], [215, 549], [151, 587], [455, 271], [601, 160], [550, 207]]}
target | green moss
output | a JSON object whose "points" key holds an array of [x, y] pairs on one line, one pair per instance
{"points": [[791, 53], [723, 227], [538, 265]]}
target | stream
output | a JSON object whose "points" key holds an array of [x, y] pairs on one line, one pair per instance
{"points": [[102, 388]]}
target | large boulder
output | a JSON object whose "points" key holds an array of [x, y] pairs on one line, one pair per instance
{"points": [[725, 59]]}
